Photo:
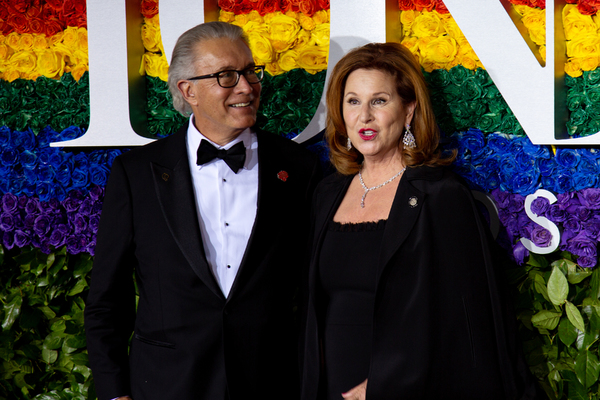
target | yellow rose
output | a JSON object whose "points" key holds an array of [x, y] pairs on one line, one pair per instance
{"points": [[78, 70], [304, 39], [441, 50], [577, 25], [589, 63], [254, 16], [40, 42], [50, 63], [407, 18], [13, 40], [79, 57], [542, 50], [82, 38], [261, 47], [241, 20], [226, 16], [467, 61], [23, 61], [70, 38], [151, 37], [5, 52], [410, 43], [313, 59], [535, 22], [583, 47], [573, 68], [321, 17], [56, 38], [26, 41], [306, 22], [452, 28], [291, 14], [288, 60], [256, 27], [321, 35], [427, 24], [273, 68], [11, 74], [154, 65], [283, 32]]}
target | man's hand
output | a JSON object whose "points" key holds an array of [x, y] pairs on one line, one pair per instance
{"points": [[357, 393]]}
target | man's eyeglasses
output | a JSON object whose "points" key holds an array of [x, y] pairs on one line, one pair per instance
{"points": [[230, 78]]}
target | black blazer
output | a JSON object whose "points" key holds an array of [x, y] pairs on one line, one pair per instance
{"points": [[189, 341], [442, 328]]}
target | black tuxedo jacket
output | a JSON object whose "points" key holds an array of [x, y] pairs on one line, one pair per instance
{"points": [[187, 340], [442, 328]]}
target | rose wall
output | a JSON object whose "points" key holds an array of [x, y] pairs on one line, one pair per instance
{"points": [[51, 197]]}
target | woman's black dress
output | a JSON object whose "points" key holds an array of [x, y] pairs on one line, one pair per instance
{"points": [[347, 277]]}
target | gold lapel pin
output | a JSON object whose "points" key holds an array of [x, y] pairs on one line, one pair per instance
{"points": [[413, 202], [165, 177]]}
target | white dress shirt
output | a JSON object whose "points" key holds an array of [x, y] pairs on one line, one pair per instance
{"points": [[226, 204]]}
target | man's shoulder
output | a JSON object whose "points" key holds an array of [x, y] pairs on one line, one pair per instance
{"points": [[280, 146], [157, 150]]}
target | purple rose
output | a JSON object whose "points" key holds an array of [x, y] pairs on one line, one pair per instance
{"points": [[556, 214], [42, 225], [8, 240], [29, 221], [541, 236], [592, 227], [79, 224], [76, 244], [9, 202], [86, 206], [565, 200], [587, 262], [22, 238], [540, 205], [7, 222], [572, 224], [94, 222], [57, 238], [582, 245], [73, 201], [590, 198], [520, 253], [501, 198], [516, 203], [32, 206], [96, 192]]}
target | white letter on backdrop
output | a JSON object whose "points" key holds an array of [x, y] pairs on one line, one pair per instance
{"points": [[535, 94], [542, 221], [353, 23]]}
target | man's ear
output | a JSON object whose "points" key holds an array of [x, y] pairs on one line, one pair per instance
{"points": [[186, 88]]}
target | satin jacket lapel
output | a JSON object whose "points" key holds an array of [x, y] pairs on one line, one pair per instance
{"points": [[406, 207], [270, 192], [174, 188]]}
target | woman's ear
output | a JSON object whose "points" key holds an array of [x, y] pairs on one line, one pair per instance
{"points": [[410, 112]]}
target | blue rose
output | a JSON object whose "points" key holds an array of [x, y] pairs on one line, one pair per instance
{"points": [[584, 180], [563, 182], [23, 140], [536, 151], [498, 142], [79, 177], [99, 175], [5, 134], [567, 158], [525, 182], [9, 157], [72, 132], [45, 173], [81, 161]]}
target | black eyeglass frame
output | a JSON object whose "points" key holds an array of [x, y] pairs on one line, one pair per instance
{"points": [[238, 74]]}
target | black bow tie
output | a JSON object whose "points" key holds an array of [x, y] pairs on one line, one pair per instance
{"points": [[234, 157]]}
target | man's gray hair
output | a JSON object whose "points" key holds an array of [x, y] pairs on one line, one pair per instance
{"points": [[185, 55]]}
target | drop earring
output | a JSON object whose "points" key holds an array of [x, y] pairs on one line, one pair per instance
{"points": [[409, 139], [349, 144]]}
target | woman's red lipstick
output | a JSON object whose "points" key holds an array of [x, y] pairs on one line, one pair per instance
{"points": [[367, 134]]}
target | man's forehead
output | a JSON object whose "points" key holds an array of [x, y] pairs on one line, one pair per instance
{"points": [[223, 53]]}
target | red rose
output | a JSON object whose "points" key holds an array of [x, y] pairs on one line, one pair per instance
{"points": [[53, 26], [242, 7], [539, 3], [323, 4], [421, 5], [406, 5], [149, 8], [56, 4], [18, 22], [20, 6], [267, 6], [286, 5], [34, 12], [587, 9], [68, 7], [226, 5], [4, 13], [5, 28], [307, 7], [440, 7], [283, 176], [36, 25]]}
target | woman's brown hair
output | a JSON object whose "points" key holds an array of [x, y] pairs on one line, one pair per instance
{"points": [[400, 63]]}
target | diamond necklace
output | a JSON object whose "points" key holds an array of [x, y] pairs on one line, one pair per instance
{"points": [[367, 190]]}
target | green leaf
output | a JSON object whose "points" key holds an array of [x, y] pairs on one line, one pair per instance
{"points": [[50, 356], [546, 319], [558, 287], [567, 332], [595, 284], [11, 312], [576, 391], [577, 274], [79, 287], [575, 316], [587, 368], [539, 284], [53, 341]]}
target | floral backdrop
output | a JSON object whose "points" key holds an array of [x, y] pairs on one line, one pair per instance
{"points": [[51, 198]]}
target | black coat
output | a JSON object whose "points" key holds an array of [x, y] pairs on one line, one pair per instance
{"points": [[189, 341], [442, 328]]}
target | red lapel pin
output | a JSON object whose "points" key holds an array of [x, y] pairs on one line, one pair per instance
{"points": [[282, 175]]}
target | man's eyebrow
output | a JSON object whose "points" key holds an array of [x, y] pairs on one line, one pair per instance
{"points": [[232, 68]]}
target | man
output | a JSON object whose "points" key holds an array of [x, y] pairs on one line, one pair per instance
{"points": [[216, 241]]}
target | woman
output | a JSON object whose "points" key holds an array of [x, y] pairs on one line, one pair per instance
{"points": [[404, 298]]}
